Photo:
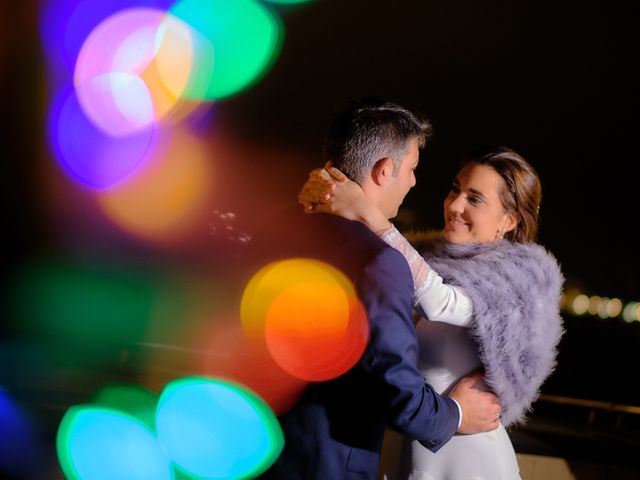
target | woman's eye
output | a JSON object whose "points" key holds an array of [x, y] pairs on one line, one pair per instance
{"points": [[474, 200]]}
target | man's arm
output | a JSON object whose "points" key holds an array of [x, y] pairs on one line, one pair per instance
{"points": [[414, 408]]}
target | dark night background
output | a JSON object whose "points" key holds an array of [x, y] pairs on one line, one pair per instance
{"points": [[556, 81]]}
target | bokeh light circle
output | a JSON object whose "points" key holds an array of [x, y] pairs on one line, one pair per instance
{"points": [[245, 36], [314, 325], [95, 443], [97, 311], [19, 446], [134, 400], [132, 69], [87, 153], [245, 360], [163, 201], [66, 24], [288, 2], [214, 429], [314, 332], [117, 103]]}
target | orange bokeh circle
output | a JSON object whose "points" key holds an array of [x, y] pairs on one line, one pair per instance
{"points": [[314, 325]]}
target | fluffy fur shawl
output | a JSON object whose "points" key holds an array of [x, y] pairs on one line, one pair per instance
{"points": [[515, 289]]}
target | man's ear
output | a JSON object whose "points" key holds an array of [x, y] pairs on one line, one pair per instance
{"points": [[382, 171]]}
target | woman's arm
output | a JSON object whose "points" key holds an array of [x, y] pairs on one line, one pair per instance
{"points": [[433, 299], [330, 191]]}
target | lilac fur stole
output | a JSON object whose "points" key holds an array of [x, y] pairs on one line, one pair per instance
{"points": [[515, 289]]}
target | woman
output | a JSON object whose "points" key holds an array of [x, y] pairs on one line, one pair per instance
{"points": [[493, 303]]}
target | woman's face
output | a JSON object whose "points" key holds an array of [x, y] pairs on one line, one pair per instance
{"points": [[473, 211]]}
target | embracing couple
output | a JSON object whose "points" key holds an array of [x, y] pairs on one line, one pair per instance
{"points": [[464, 323]]}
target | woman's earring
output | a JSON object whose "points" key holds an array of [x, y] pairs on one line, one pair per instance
{"points": [[500, 235]]}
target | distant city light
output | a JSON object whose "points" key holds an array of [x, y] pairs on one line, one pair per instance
{"points": [[603, 308], [580, 305], [629, 312], [614, 307], [594, 304]]}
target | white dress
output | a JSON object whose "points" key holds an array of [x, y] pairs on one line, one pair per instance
{"points": [[446, 355]]}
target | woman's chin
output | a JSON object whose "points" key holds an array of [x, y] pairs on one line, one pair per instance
{"points": [[452, 236]]}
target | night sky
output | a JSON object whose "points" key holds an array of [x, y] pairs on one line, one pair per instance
{"points": [[553, 80]]}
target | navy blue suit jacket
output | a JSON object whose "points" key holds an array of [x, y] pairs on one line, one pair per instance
{"points": [[336, 429]]}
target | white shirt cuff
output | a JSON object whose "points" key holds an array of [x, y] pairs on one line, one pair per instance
{"points": [[460, 412]]}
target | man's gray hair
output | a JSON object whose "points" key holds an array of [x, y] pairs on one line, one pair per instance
{"points": [[369, 130]]}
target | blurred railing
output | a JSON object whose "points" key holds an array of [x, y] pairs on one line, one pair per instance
{"points": [[593, 406]]}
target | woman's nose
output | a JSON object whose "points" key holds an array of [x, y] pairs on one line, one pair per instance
{"points": [[457, 203]]}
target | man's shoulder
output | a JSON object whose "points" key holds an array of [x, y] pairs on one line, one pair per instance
{"points": [[317, 230], [344, 243]]}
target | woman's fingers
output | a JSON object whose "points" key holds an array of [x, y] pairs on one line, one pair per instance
{"points": [[319, 184], [316, 193], [320, 174], [336, 174], [312, 198]]}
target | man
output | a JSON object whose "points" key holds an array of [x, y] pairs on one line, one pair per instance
{"points": [[336, 430]]}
